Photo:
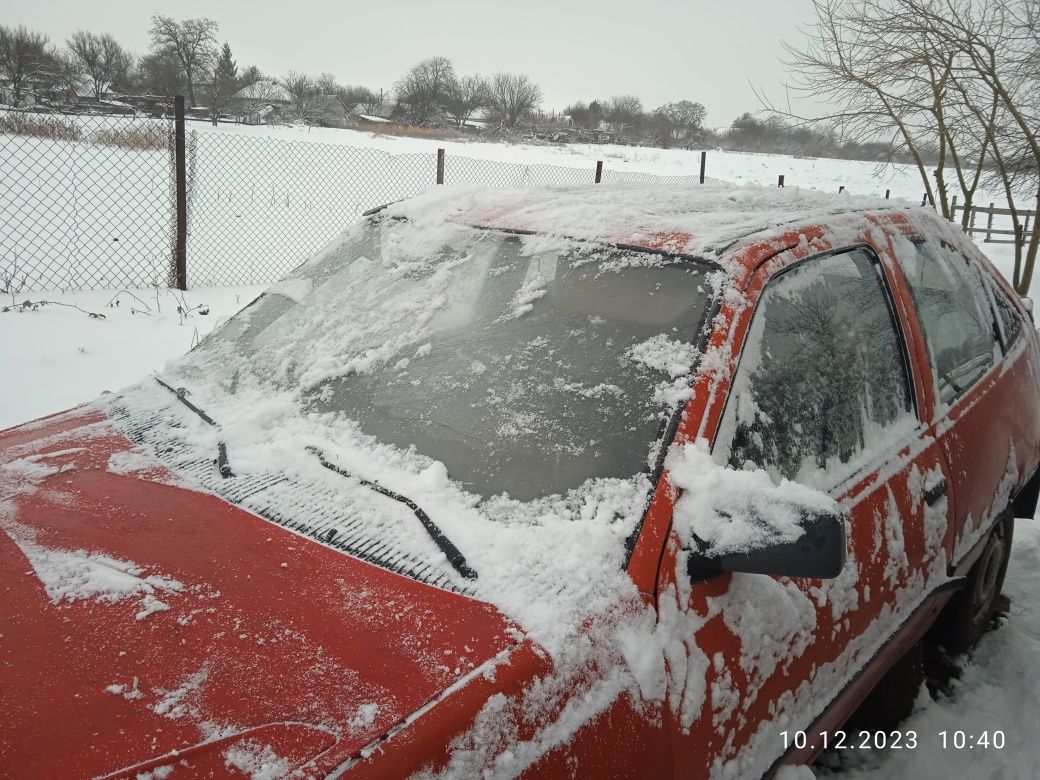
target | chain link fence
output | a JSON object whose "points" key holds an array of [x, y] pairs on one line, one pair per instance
{"points": [[89, 202], [259, 206], [85, 201]]}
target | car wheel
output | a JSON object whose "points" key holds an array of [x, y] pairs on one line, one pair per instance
{"points": [[970, 612]]}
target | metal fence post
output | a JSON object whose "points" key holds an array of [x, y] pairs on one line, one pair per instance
{"points": [[704, 160], [780, 181], [440, 166], [599, 171], [180, 257]]}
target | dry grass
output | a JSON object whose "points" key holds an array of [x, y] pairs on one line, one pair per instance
{"points": [[410, 131], [40, 126], [140, 139], [146, 137]]}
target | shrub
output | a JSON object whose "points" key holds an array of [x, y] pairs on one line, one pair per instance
{"points": [[412, 131], [57, 128], [140, 138]]}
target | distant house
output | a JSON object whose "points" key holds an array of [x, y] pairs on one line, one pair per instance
{"points": [[260, 100], [327, 111], [7, 93], [479, 120], [34, 91], [378, 113], [81, 95], [84, 99]]}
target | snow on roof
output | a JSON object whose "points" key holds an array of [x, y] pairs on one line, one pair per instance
{"points": [[264, 90], [697, 219], [369, 118]]}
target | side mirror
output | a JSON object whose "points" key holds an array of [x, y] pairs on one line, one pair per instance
{"points": [[819, 553]]}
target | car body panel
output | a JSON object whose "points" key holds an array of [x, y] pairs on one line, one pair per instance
{"points": [[458, 688], [892, 565], [262, 627]]}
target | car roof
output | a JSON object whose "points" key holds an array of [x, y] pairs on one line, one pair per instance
{"points": [[701, 220]]}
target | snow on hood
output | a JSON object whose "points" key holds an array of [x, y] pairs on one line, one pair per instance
{"points": [[154, 602], [71, 575], [546, 562]]}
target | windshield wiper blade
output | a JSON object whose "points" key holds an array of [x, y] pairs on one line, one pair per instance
{"points": [[451, 552], [223, 466]]}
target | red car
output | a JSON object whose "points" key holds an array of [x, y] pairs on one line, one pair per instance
{"points": [[585, 482]]}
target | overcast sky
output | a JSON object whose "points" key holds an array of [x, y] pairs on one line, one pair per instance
{"points": [[660, 50]]}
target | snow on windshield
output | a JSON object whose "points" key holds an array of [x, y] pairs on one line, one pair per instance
{"points": [[527, 366], [514, 387]]}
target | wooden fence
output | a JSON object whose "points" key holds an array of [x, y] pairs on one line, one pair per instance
{"points": [[1004, 233]]}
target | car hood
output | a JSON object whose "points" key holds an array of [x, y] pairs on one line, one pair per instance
{"points": [[145, 623]]}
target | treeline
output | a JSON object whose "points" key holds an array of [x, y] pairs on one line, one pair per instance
{"points": [[187, 57]]}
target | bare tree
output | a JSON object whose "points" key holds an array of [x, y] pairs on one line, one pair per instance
{"points": [[65, 73], [954, 76], [624, 111], [511, 96], [192, 41], [425, 87], [302, 91], [250, 76], [464, 96], [23, 58], [359, 96], [326, 84], [684, 117], [160, 74], [584, 116], [101, 58]]}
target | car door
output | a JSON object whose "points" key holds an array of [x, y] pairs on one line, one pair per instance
{"points": [[824, 393], [981, 412]]}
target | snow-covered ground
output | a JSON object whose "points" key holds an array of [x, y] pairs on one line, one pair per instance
{"points": [[55, 354], [264, 198], [999, 690]]}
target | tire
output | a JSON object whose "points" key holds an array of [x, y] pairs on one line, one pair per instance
{"points": [[970, 612]]}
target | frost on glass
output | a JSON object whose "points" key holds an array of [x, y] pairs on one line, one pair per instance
{"points": [[526, 366], [822, 379], [954, 314], [1007, 316]]}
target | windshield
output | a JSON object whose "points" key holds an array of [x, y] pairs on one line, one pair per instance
{"points": [[526, 365]]}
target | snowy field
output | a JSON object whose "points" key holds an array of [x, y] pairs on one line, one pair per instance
{"points": [[56, 353], [263, 199]]}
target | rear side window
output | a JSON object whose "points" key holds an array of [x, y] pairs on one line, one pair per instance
{"points": [[822, 380], [1007, 315], [954, 313]]}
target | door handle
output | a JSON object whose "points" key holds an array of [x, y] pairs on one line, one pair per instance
{"points": [[935, 492]]}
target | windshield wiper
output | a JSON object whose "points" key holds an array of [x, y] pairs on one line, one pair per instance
{"points": [[223, 466], [451, 552]]}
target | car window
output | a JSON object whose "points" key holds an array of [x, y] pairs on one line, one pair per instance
{"points": [[822, 380], [526, 365], [954, 314], [1007, 315]]}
